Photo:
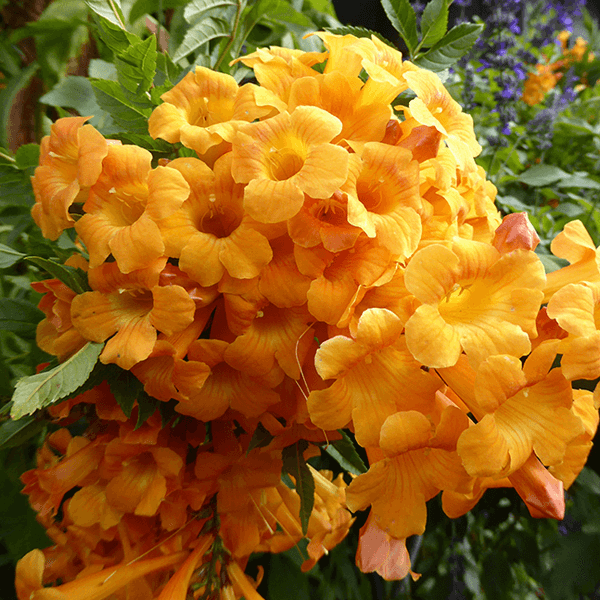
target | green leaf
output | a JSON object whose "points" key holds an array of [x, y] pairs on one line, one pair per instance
{"points": [[110, 97], [434, 22], [8, 95], [146, 408], [73, 278], [145, 141], [197, 36], [125, 387], [590, 480], [28, 156], [542, 175], [46, 388], [260, 438], [295, 465], [16, 188], [9, 257], [578, 181], [108, 9], [284, 575], [19, 316], [77, 92], [15, 433], [344, 452], [136, 68], [453, 46], [196, 9], [114, 36], [402, 16], [149, 7]]}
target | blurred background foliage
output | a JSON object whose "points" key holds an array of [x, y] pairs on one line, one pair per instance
{"points": [[67, 57]]}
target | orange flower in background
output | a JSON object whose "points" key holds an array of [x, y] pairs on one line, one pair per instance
{"points": [[70, 163], [539, 84], [285, 157], [124, 205]]}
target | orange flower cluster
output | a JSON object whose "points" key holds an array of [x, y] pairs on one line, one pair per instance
{"points": [[328, 260], [548, 75]]}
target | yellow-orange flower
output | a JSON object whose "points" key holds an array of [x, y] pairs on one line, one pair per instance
{"points": [[124, 205], [204, 109], [576, 308], [375, 377], [420, 460], [474, 300], [70, 163], [210, 233], [131, 318], [516, 415], [434, 107], [285, 157], [383, 197]]}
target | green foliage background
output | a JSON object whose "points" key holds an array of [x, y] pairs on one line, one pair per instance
{"points": [[113, 60]]}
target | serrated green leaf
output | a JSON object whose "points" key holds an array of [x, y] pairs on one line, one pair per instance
{"points": [[452, 47], [402, 16], [9, 257], [8, 95], [115, 37], [16, 433], [108, 9], [196, 10], [28, 156], [110, 97], [73, 278], [260, 438], [19, 316], [197, 36], [344, 452], [434, 23], [136, 68], [295, 465], [46, 388]]}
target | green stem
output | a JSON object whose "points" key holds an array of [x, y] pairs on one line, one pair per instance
{"points": [[227, 47], [7, 157]]}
